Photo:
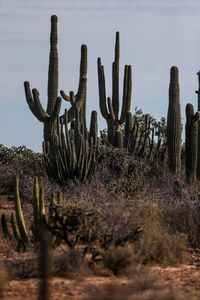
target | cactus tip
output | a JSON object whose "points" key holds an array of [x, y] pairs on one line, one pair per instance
{"points": [[54, 18]]}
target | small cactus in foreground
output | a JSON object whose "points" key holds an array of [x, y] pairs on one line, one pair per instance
{"points": [[39, 221], [174, 126]]}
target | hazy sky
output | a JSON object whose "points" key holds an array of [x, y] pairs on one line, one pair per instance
{"points": [[154, 34]]}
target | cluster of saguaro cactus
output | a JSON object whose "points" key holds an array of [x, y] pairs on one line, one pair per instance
{"points": [[40, 218], [110, 106], [144, 137], [62, 158], [174, 126], [72, 152]]}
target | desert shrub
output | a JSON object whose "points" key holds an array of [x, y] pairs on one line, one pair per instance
{"points": [[122, 171], [73, 223], [23, 267], [182, 216], [69, 263], [118, 258], [18, 161], [156, 244]]}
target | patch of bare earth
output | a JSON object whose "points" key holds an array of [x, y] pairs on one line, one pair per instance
{"points": [[155, 282]]}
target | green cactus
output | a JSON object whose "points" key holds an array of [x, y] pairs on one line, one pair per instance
{"points": [[110, 107], [19, 214], [198, 138], [50, 117], [174, 126], [191, 132], [74, 150], [16, 233], [39, 221]]}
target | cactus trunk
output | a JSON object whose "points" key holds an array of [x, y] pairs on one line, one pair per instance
{"points": [[191, 133], [174, 126]]}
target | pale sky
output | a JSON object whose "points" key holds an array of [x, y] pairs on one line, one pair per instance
{"points": [[154, 34]]}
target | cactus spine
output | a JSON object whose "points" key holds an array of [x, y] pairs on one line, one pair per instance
{"points": [[191, 132], [110, 107], [174, 126]]}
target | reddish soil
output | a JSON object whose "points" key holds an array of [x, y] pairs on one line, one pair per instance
{"points": [[145, 283]]}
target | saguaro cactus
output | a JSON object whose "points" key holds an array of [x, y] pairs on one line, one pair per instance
{"points": [[110, 106], [49, 116], [74, 150], [54, 102], [191, 131], [198, 137], [174, 126]]}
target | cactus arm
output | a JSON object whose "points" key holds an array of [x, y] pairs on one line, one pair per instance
{"points": [[29, 98], [36, 209], [34, 103], [15, 228], [42, 204], [83, 69], [197, 116], [80, 97], [102, 90], [111, 109], [115, 77], [94, 127], [19, 214], [127, 91], [57, 108], [53, 67], [65, 96], [128, 129], [38, 105]]}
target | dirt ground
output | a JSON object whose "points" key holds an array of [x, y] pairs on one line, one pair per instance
{"points": [[180, 282]]}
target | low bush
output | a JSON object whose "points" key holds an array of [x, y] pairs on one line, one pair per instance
{"points": [[118, 258]]}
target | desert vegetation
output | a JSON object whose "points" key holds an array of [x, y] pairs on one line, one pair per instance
{"points": [[111, 205]]}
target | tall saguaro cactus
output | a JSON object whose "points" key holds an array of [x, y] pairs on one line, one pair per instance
{"points": [[198, 137], [55, 151], [191, 131], [110, 106], [49, 116], [174, 126]]}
